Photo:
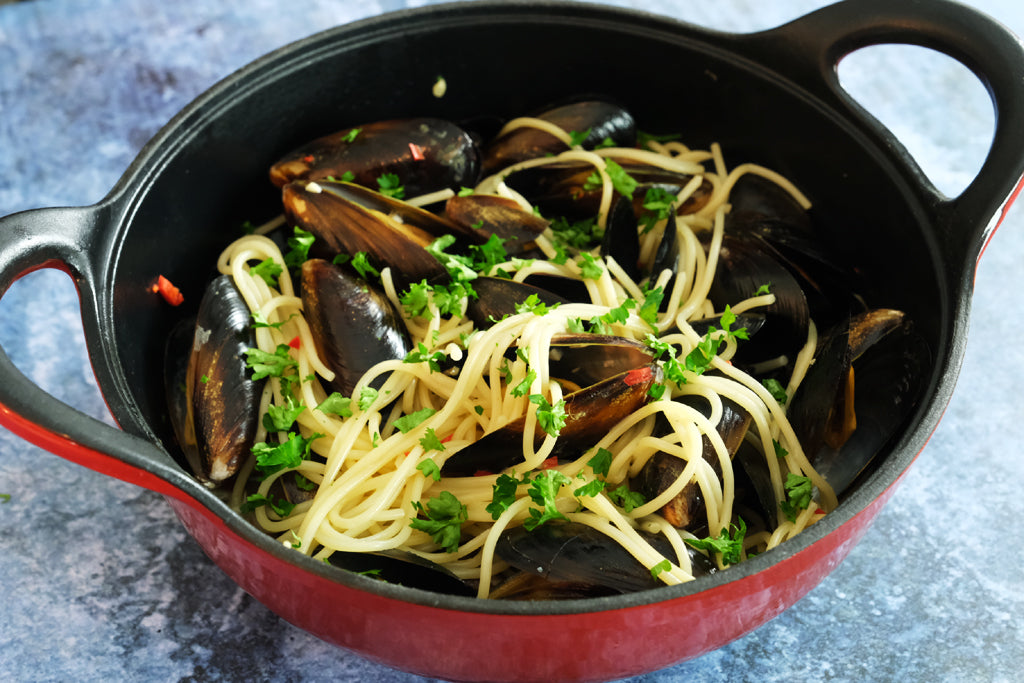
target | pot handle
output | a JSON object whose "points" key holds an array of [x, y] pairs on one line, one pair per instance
{"points": [[63, 238], [811, 47]]}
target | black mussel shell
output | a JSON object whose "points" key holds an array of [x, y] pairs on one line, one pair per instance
{"points": [[354, 325]]}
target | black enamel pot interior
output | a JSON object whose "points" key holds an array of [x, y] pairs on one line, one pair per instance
{"points": [[771, 98]]}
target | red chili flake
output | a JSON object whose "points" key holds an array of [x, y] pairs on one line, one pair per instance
{"points": [[295, 343], [447, 438], [308, 158], [169, 292], [549, 463], [638, 375], [417, 151]]}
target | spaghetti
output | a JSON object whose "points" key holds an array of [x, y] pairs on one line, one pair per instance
{"points": [[374, 459]]}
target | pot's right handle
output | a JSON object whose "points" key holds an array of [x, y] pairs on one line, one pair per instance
{"points": [[65, 238], [811, 47]]}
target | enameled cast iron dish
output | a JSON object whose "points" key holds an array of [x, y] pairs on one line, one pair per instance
{"points": [[771, 97]]}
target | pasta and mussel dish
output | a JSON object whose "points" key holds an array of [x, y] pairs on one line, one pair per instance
{"points": [[570, 360]]}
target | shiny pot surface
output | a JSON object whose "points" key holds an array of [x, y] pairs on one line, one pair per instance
{"points": [[216, 153]]}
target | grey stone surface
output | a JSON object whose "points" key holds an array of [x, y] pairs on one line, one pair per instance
{"points": [[100, 581]]}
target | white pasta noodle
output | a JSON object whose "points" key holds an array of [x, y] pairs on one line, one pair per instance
{"points": [[370, 478]]}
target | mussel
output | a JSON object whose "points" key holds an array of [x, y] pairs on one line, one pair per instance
{"points": [[663, 470], [589, 413], [596, 120], [565, 188], [427, 154], [215, 408], [492, 215], [342, 226], [354, 325], [841, 424], [575, 560]]}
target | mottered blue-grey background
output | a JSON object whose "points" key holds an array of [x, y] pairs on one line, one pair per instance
{"points": [[98, 580]]}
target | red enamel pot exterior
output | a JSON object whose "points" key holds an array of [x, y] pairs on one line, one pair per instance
{"points": [[217, 152]]}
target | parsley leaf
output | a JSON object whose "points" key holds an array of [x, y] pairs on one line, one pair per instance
{"points": [[581, 234], [551, 418], [533, 304], [601, 462], [576, 137], [729, 544], [407, 422], [626, 499], [657, 205], [623, 183], [648, 310], [445, 515], [422, 354], [390, 185], [367, 395], [281, 418], [544, 491], [523, 387], [336, 404], [298, 244], [350, 136], [430, 469], [591, 267], [780, 452], [798, 495], [291, 453], [591, 488], [662, 566], [430, 441], [269, 270], [265, 364], [776, 389], [503, 494], [281, 507]]}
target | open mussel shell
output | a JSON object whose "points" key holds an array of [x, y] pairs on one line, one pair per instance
{"points": [[498, 297], [576, 554], [586, 359], [663, 470], [354, 325], [403, 568], [878, 361], [603, 120], [743, 268], [589, 414], [561, 188], [427, 154], [487, 215], [221, 398], [342, 226]]}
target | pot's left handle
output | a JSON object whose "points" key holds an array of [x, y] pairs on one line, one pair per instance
{"points": [[63, 238]]}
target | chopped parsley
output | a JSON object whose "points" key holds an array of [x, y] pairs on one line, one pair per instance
{"points": [[298, 245], [447, 299], [551, 418], [729, 544], [351, 135], [444, 518], [430, 469], [408, 422], [780, 452], [503, 494], [601, 462], [291, 453], [390, 185], [367, 395], [657, 205], [336, 404], [533, 304], [267, 269], [577, 137], [776, 389], [431, 442], [421, 354], [265, 364], [281, 507], [543, 491], [662, 566], [626, 499], [798, 495], [591, 267]]}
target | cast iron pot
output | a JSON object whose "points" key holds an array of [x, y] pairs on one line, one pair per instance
{"points": [[771, 97]]}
